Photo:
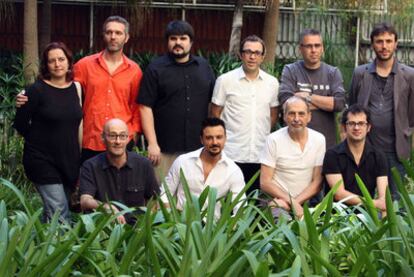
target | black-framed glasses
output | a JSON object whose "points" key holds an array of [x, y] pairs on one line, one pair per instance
{"points": [[115, 136], [251, 53], [353, 124]]}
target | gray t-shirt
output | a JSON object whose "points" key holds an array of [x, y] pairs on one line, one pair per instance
{"points": [[326, 81]]}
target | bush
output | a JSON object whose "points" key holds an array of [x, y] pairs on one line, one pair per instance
{"points": [[331, 240]]}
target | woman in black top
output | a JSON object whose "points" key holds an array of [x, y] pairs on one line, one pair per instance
{"points": [[49, 123]]}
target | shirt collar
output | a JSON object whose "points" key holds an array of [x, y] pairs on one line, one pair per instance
{"points": [[372, 67], [100, 59], [171, 60], [107, 165], [195, 155], [242, 75], [344, 149]]}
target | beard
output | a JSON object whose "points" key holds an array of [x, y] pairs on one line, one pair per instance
{"points": [[179, 55]]}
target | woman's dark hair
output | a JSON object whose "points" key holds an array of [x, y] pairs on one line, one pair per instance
{"points": [[44, 70]]}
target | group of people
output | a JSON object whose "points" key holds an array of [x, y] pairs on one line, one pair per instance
{"points": [[217, 133]]}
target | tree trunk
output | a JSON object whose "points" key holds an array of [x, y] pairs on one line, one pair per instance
{"points": [[236, 28], [270, 31], [45, 27], [30, 44]]}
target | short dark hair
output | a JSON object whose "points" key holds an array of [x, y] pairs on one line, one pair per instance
{"points": [[308, 32], [355, 109], [44, 69], [381, 28], [116, 18], [179, 27], [212, 122], [252, 38]]}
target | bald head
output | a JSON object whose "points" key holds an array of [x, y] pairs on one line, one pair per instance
{"points": [[116, 123], [115, 138]]}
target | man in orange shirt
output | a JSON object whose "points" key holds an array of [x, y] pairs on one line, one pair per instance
{"points": [[110, 83]]}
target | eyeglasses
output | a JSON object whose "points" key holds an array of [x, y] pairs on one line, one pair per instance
{"points": [[353, 124], [114, 136], [310, 46], [251, 53]]}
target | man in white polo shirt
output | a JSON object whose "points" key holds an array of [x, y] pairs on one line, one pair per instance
{"points": [[207, 166], [246, 99], [292, 159]]}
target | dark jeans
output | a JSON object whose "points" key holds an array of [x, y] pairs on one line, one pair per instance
{"points": [[55, 199], [393, 161]]}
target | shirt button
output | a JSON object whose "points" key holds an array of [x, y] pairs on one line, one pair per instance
{"points": [[106, 117], [187, 86], [186, 76], [109, 90], [188, 98]]}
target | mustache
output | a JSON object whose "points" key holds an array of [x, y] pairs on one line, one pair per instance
{"points": [[178, 46]]}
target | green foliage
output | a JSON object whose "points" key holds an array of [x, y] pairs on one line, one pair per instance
{"points": [[331, 240], [11, 146]]}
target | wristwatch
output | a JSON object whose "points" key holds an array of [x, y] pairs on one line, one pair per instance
{"points": [[308, 98]]}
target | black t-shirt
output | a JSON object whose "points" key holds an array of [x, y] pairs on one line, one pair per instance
{"points": [[49, 122], [179, 95], [131, 185], [373, 164]]}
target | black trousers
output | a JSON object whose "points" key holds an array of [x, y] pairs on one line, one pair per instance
{"points": [[249, 169]]}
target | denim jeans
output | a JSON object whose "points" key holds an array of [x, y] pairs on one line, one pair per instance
{"points": [[55, 199], [393, 161]]}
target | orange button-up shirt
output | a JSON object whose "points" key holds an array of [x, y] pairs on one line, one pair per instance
{"points": [[107, 96]]}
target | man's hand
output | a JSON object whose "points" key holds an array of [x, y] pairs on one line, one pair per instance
{"points": [[298, 208], [21, 99], [113, 209], [154, 154], [304, 95], [380, 204], [280, 203]]}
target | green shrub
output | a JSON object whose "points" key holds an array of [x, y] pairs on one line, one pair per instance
{"points": [[331, 240]]}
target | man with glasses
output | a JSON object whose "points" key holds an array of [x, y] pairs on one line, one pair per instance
{"points": [[320, 84], [246, 99], [355, 155], [117, 175]]}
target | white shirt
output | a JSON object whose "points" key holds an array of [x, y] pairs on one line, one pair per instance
{"points": [[293, 167], [246, 112], [226, 177]]}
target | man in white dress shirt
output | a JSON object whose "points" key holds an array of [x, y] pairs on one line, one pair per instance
{"points": [[246, 99], [207, 166], [292, 159]]}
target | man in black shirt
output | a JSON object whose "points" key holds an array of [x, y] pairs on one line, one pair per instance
{"points": [[174, 98], [353, 156], [117, 175]]}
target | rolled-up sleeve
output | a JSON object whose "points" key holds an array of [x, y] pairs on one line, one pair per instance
{"points": [[338, 91]]}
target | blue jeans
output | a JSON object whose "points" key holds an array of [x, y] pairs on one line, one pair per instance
{"points": [[393, 161], [55, 199]]}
